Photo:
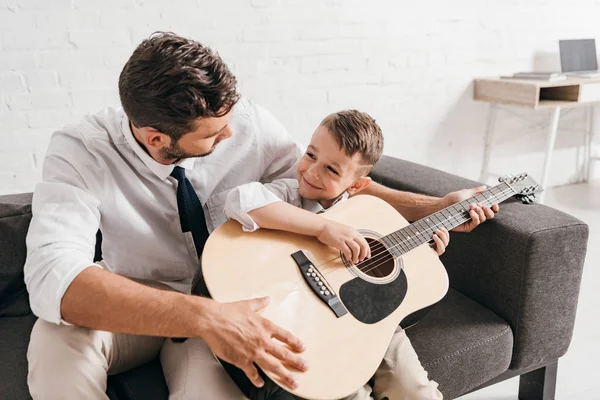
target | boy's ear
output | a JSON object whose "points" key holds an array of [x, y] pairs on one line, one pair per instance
{"points": [[359, 185]]}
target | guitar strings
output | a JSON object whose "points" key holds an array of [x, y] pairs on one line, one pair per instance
{"points": [[379, 244], [387, 256], [370, 261], [380, 262]]}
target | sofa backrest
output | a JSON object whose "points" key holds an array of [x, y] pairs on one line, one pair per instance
{"points": [[15, 215]]}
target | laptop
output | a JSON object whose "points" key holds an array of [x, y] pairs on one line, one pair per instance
{"points": [[578, 58]]}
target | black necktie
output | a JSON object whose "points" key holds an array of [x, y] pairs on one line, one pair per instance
{"points": [[191, 217], [191, 214]]}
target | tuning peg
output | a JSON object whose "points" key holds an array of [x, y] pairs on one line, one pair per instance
{"points": [[528, 198], [507, 177]]}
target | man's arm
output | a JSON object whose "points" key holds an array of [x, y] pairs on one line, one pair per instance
{"points": [[98, 299], [415, 206], [412, 206]]}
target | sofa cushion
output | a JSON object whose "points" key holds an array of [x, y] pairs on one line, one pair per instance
{"points": [[15, 215], [14, 339], [461, 344]]}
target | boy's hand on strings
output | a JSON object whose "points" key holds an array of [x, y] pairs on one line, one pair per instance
{"points": [[346, 239], [441, 238]]}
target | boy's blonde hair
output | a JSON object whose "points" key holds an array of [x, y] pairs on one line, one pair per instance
{"points": [[356, 132]]}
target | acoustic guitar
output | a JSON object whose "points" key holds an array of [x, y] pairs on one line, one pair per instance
{"points": [[345, 313]]}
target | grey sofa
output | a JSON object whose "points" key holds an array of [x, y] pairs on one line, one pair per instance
{"points": [[510, 309]]}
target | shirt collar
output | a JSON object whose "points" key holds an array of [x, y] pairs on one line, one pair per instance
{"points": [[160, 170], [316, 207]]}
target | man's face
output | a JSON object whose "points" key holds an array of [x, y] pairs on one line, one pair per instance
{"points": [[201, 141]]}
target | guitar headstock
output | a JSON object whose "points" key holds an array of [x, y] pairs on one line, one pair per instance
{"points": [[524, 186]]}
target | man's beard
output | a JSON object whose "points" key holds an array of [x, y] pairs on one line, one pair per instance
{"points": [[176, 152]]}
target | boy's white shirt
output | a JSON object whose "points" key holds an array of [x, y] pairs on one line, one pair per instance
{"points": [[240, 202]]}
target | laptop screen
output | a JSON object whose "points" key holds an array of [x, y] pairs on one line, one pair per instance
{"points": [[578, 55]]}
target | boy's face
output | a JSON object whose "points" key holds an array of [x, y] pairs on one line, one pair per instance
{"points": [[325, 170]]}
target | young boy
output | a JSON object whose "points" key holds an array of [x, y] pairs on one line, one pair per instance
{"points": [[340, 155]]}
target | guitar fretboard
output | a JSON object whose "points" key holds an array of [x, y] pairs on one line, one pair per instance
{"points": [[404, 240]]}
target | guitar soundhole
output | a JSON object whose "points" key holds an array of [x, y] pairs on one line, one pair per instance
{"points": [[381, 264]]}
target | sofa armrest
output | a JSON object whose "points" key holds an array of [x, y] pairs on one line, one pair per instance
{"points": [[525, 264]]}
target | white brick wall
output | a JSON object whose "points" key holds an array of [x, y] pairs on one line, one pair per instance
{"points": [[410, 66]]}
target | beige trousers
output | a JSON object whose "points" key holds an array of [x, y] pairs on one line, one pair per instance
{"points": [[400, 375], [69, 362]]}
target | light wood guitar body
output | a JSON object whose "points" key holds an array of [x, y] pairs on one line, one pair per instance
{"points": [[343, 351]]}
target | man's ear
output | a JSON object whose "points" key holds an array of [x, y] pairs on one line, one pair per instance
{"points": [[359, 185], [154, 138]]}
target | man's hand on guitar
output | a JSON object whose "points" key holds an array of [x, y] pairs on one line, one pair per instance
{"points": [[478, 212], [240, 336], [441, 238], [346, 239]]}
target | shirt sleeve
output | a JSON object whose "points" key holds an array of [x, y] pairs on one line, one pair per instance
{"points": [[280, 153], [65, 218], [251, 196]]}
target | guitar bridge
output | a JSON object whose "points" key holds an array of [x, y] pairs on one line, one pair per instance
{"points": [[318, 284]]}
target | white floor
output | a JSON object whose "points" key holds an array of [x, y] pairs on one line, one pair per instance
{"points": [[579, 369]]}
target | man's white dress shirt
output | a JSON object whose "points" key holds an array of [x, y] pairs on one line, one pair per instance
{"points": [[96, 175]]}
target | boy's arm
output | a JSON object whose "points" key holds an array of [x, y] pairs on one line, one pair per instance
{"points": [[255, 206], [286, 217], [251, 196]]}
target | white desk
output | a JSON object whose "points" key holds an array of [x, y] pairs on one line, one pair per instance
{"points": [[572, 92]]}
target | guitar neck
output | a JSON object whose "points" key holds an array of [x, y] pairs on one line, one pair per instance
{"points": [[412, 236]]}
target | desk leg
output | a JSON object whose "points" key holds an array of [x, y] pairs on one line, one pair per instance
{"points": [[551, 140], [589, 135], [489, 139]]}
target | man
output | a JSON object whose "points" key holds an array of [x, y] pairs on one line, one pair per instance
{"points": [[154, 178]]}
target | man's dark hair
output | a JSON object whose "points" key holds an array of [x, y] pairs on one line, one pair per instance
{"points": [[170, 81]]}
